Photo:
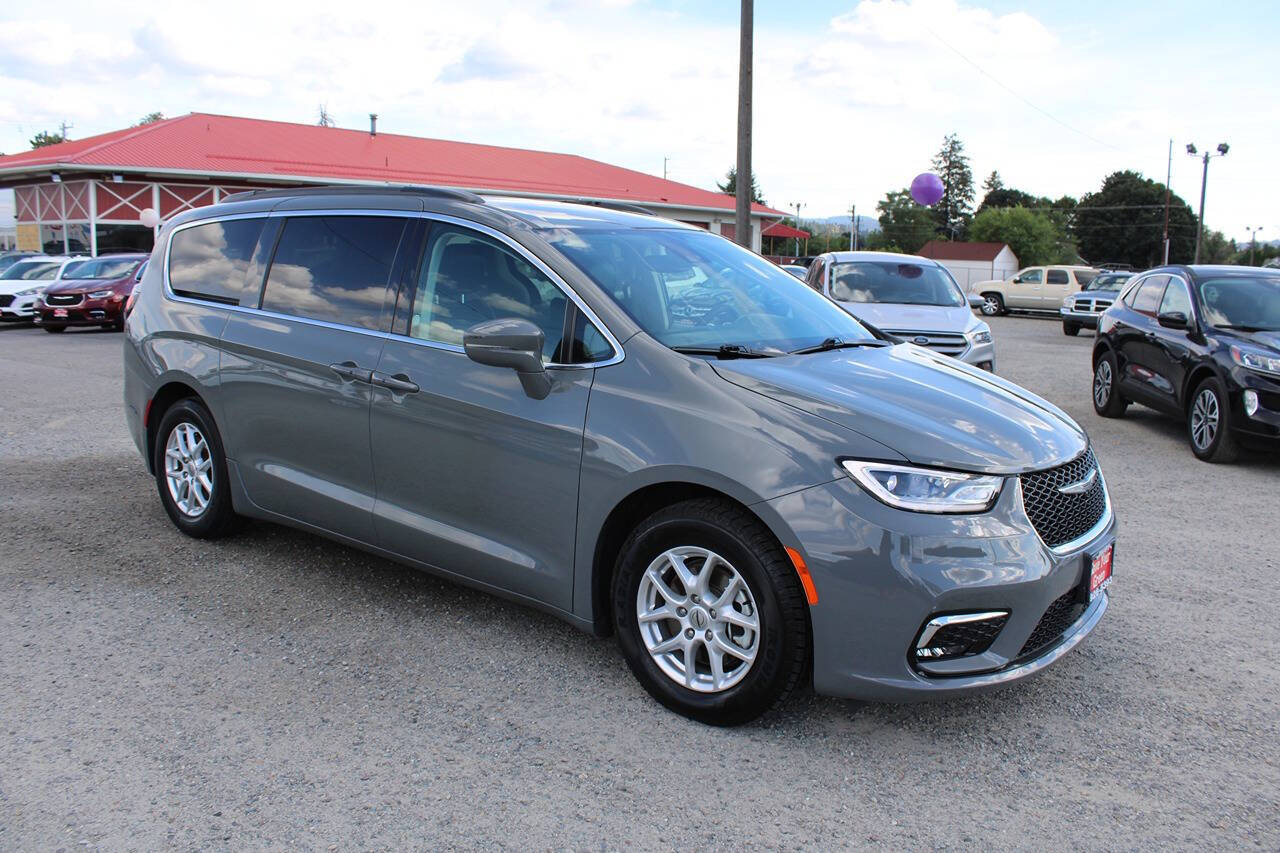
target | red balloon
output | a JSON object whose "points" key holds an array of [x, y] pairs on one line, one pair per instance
{"points": [[926, 189]]}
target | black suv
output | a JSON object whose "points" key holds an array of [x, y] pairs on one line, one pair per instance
{"points": [[1201, 343]]}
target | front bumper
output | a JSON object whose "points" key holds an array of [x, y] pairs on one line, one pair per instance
{"points": [[21, 308], [980, 355], [1088, 319], [90, 312], [882, 573], [1263, 426]]}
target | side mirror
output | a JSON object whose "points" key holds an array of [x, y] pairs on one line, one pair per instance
{"points": [[1172, 320], [1017, 279], [512, 343], [975, 301]]}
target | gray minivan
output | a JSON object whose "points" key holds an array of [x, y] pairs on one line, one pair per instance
{"points": [[628, 422]]}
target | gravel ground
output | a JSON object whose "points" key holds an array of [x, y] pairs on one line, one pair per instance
{"points": [[278, 690]]}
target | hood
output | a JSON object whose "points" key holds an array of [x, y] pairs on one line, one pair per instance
{"points": [[932, 409], [1269, 340], [916, 318], [75, 285]]}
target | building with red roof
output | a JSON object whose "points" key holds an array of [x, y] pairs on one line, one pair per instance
{"points": [[89, 194]]}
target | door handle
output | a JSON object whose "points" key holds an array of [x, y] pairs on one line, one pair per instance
{"points": [[351, 371], [398, 384]]}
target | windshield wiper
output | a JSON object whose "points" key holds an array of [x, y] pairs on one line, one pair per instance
{"points": [[728, 351], [837, 343], [1244, 327]]}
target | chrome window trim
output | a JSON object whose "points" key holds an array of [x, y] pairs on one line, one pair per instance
{"points": [[1186, 289], [618, 353]]}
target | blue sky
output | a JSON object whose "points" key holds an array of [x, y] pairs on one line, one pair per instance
{"points": [[852, 98]]}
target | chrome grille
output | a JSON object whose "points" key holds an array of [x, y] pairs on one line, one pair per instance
{"points": [[947, 343], [1059, 517], [61, 299], [1092, 304]]}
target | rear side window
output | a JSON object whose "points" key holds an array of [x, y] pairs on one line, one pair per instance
{"points": [[1057, 277], [333, 268], [209, 261]]}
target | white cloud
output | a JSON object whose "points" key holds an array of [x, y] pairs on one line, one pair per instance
{"points": [[846, 107]]}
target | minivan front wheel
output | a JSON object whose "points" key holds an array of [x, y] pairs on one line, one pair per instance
{"points": [[709, 612], [191, 472]]}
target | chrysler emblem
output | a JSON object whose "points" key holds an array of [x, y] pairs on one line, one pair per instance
{"points": [[1080, 487]]}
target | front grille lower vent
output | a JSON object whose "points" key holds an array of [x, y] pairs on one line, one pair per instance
{"points": [[6, 300], [1058, 516], [1060, 616]]}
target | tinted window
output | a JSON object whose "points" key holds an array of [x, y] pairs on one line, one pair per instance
{"points": [[894, 282], [1149, 294], [1057, 277], [333, 268], [816, 272], [1176, 298], [1085, 276], [209, 261], [467, 278], [588, 343], [39, 271]]}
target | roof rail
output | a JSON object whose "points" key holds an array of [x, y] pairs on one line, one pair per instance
{"points": [[348, 189], [613, 205]]}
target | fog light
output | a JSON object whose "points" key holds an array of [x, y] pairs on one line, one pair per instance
{"points": [[1250, 403]]}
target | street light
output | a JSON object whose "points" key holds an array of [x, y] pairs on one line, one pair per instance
{"points": [[797, 205], [1204, 180], [1253, 240]]}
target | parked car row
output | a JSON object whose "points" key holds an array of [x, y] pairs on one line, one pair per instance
{"points": [[58, 291]]}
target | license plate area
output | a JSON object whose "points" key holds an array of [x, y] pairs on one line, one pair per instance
{"points": [[59, 312], [1098, 567]]}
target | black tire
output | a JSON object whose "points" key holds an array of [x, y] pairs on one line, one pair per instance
{"points": [[1070, 329], [1215, 442], [992, 305], [782, 653], [52, 329], [1105, 390], [217, 518]]}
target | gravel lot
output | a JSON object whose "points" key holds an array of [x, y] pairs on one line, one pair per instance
{"points": [[279, 690]]}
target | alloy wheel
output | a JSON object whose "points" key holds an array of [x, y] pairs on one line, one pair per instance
{"points": [[188, 469], [1205, 415], [698, 619], [1102, 384], [990, 306]]}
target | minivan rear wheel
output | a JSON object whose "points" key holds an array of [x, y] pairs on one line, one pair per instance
{"points": [[709, 612], [191, 472]]}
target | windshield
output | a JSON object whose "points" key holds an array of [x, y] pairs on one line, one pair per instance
{"points": [[100, 268], [1108, 281], [35, 271], [1242, 302], [899, 282], [691, 289]]}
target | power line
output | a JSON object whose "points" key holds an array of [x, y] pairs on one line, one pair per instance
{"points": [[1038, 109]]}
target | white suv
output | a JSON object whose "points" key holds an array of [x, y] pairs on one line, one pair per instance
{"points": [[22, 283]]}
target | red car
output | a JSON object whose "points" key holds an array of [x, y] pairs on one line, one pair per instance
{"points": [[93, 294]]}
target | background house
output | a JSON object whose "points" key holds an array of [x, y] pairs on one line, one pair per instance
{"points": [[973, 262], [87, 195]]}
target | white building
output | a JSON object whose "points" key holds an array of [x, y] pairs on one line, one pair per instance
{"points": [[973, 262]]}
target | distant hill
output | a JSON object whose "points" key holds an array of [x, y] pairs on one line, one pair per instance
{"points": [[866, 224]]}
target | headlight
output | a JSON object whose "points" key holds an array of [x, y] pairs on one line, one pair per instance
{"points": [[924, 489], [101, 294], [1068, 301], [30, 291], [1255, 360], [980, 336]]}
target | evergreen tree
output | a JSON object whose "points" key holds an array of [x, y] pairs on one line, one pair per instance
{"points": [[44, 138], [730, 186], [992, 183], [954, 210]]}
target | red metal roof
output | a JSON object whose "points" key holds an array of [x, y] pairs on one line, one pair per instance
{"points": [[778, 229], [948, 251], [200, 144]]}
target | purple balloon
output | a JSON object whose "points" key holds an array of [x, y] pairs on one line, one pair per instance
{"points": [[926, 189]]}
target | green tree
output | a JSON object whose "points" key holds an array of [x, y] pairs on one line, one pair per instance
{"points": [[730, 186], [903, 223], [1215, 248], [992, 183], [150, 118], [953, 211], [44, 138], [1031, 234], [1124, 222]]}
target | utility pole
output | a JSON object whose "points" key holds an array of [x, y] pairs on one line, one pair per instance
{"points": [[65, 128], [665, 160], [742, 220], [1167, 193], [797, 205], [1204, 181], [853, 228], [1253, 241]]}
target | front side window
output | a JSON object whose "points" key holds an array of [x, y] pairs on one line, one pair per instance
{"points": [[41, 271], [817, 272], [1057, 277], [902, 283], [1148, 297], [1247, 303], [467, 278], [736, 297], [1030, 276], [333, 268], [209, 261], [1176, 298]]}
